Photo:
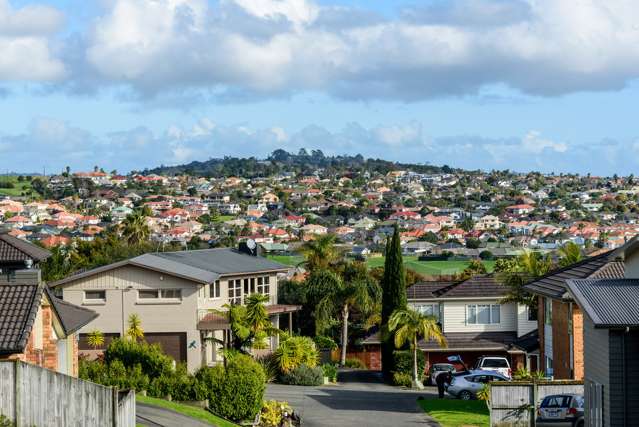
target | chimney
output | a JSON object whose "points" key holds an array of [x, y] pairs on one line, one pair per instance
{"points": [[28, 277]]}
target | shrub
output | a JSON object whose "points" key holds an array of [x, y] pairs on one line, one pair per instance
{"points": [[355, 363], [180, 385], [402, 379], [484, 393], [273, 413], [303, 375], [295, 351], [114, 374], [325, 343], [150, 357], [234, 392], [330, 371], [486, 255], [404, 362], [269, 366]]}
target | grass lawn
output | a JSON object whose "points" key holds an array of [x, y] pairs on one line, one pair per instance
{"points": [[20, 186], [191, 411], [223, 218], [457, 413], [426, 268]]}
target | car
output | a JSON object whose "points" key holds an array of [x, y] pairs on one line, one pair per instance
{"points": [[466, 387], [561, 410], [494, 363], [438, 368]]}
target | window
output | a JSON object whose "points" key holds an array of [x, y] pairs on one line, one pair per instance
{"points": [[147, 293], [483, 314], [548, 311], [235, 291], [532, 312], [495, 363], [172, 294], [214, 290], [95, 296], [263, 285], [428, 309]]}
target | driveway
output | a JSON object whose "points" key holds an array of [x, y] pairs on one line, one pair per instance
{"points": [[152, 416], [359, 399]]}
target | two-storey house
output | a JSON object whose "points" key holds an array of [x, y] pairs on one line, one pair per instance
{"points": [[174, 294]]}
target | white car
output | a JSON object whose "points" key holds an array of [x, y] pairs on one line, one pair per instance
{"points": [[466, 385], [497, 364]]}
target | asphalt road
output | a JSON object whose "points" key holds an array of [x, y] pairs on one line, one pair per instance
{"points": [[152, 416], [359, 399]]}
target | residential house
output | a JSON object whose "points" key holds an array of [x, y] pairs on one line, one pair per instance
{"points": [[560, 320], [174, 294], [17, 254], [487, 222]]}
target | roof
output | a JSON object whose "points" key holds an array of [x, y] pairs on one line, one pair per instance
{"points": [[475, 287], [72, 317], [19, 304], [610, 303], [553, 284], [201, 266], [13, 249], [425, 290], [458, 341]]}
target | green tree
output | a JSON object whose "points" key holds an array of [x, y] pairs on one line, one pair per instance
{"points": [[569, 254], [467, 224], [516, 273], [320, 253], [410, 325], [393, 297], [250, 323], [135, 228], [135, 331], [95, 339]]}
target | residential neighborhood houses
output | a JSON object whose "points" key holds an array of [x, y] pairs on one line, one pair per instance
{"points": [[502, 265]]}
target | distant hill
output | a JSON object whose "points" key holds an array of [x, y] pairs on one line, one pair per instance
{"points": [[280, 161]]}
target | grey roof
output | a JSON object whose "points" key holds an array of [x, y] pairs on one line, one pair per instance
{"points": [[72, 317], [427, 290], [553, 284], [473, 341], [610, 303], [475, 287], [13, 249], [19, 305], [202, 266]]}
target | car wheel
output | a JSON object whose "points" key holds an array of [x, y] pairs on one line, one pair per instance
{"points": [[465, 395]]}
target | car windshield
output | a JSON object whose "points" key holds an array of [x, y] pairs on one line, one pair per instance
{"points": [[556, 402], [444, 367], [495, 363]]}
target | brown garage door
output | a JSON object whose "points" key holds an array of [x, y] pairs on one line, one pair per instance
{"points": [[172, 343]]}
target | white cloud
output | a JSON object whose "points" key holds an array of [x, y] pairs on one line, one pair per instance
{"points": [[532, 142]]}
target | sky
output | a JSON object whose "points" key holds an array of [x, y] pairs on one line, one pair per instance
{"points": [[543, 85]]}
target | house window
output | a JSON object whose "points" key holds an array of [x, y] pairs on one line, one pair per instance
{"points": [[95, 296], [548, 311], [532, 312], [263, 285], [428, 309], [160, 294], [215, 290], [483, 314], [235, 291]]}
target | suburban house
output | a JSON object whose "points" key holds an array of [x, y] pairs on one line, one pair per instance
{"points": [[38, 328], [475, 322], [560, 320], [17, 254], [174, 294]]}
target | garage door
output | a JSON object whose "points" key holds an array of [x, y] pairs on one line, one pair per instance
{"points": [[172, 343]]}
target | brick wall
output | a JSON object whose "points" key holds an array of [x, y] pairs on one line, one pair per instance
{"points": [[578, 341]]}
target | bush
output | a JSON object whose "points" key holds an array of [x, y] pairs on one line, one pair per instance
{"points": [[486, 255], [273, 413], [295, 351], [150, 357], [330, 371], [402, 379], [269, 366], [180, 385], [404, 362], [355, 363], [325, 343], [303, 375], [234, 392], [114, 374]]}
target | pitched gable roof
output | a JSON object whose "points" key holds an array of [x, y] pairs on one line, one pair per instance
{"points": [[19, 304], [475, 287], [72, 317], [13, 249], [610, 303]]}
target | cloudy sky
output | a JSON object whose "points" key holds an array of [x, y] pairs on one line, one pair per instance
{"points": [[548, 85]]}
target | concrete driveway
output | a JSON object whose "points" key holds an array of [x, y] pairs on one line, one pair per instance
{"points": [[152, 416], [359, 399]]}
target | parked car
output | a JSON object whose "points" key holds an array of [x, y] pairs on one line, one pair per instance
{"points": [[438, 368], [494, 363], [561, 410], [465, 387]]}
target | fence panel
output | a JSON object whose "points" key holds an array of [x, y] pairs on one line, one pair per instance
{"points": [[126, 409], [7, 390]]}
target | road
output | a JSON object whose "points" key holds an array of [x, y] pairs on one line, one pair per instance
{"points": [[359, 399], [152, 416]]}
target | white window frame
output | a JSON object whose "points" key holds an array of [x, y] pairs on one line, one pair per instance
{"points": [[100, 301], [215, 290], [235, 291], [491, 307], [435, 308], [264, 285], [159, 295]]}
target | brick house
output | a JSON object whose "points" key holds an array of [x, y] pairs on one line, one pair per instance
{"points": [[560, 320], [17, 254], [38, 328]]}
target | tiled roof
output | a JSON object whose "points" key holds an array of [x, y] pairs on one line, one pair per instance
{"points": [[19, 305], [609, 303], [458, 341], [477, 286], [427, 289], [72, 317], [13, 249], [553, 284]]}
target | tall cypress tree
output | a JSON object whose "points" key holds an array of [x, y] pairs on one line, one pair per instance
{"points": [[393, 297]]}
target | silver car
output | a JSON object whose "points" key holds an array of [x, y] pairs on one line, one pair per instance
{"points": [[561, 410], [467, 386]]}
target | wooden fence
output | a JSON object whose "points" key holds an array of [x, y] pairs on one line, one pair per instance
{"points": [[34, 396], [514, 404]]}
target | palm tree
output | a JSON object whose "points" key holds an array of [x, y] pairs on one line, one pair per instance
{"points": [[95, 339], [250, 323], [527, 266], [320, 252], [409, 325], [135, 331], [135, 228], [569, 254]]}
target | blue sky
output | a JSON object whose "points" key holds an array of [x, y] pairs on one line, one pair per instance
{"points": [[127, 84]]}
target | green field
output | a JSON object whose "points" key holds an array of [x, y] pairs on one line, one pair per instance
{"points": [[20, 187], [457, 413], [191, 411], [425, 268]]}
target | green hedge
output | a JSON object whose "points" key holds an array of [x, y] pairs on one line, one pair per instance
{"points": [[150, 357], [303, 375], [404, 362]]}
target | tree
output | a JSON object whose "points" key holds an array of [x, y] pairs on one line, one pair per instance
{"points": [[95, 339], [474, 268], [135, 331], [467, 224], [250, 323], [320, 253], [569, 253], [393, 296], [409, 325], [516, 273], [135, 228]]}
